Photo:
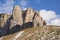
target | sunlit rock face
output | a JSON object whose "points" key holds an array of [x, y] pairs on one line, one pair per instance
{"points": [[17, 15], [3, 19], [19, 20], [38, 21], [29, 15], [20, 17], [36, 33]]}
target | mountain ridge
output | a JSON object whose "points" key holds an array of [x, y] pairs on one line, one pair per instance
{"points": [[28, 21]]}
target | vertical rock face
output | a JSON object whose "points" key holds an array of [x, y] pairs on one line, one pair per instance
{"points": [[19, 20], [3, 23], [29, 15], [38, 21], [3, 19], [17, 16]]}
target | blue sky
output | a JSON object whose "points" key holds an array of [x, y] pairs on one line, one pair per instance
{"points": [[37, 4], [49, 9]]}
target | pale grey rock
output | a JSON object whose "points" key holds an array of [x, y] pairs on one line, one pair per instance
{"points": [[29, 15], [38, 21], [17, 15]]}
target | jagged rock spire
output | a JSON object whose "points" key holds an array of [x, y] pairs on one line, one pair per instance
{"points": [[38, 21], [3, 19], [29, 15], [17, 15], [19, 20]]}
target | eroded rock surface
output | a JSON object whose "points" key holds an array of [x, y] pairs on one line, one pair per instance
{"points": [[17, 15], [3, 19], [29, 15], [38, 21]]}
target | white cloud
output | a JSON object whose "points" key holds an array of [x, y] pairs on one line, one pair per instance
{"points": [[50, 17], [55, 22], [47, 15], [23, 4], [7, 6], [25, 9]]}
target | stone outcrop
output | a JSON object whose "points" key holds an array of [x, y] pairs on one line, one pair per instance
{"points": [[38, 21], [3, 19], [19, 20], [19, 17], [29, 15], [16, 16]]}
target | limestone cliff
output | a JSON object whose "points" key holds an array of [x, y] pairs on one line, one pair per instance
{"points": [[3, 19], [26, 25], [16, 17], [29, 15], [20, 17]]}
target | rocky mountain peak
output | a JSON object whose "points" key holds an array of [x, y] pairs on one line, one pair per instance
{"points": [[29, 15], [19, 20], [17, 15], [17, 7]]}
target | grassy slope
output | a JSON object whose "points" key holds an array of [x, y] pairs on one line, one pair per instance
{"points": [[37, 33]]}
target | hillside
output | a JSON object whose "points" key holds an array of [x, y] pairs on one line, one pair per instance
{"points": [[36, 33]]}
